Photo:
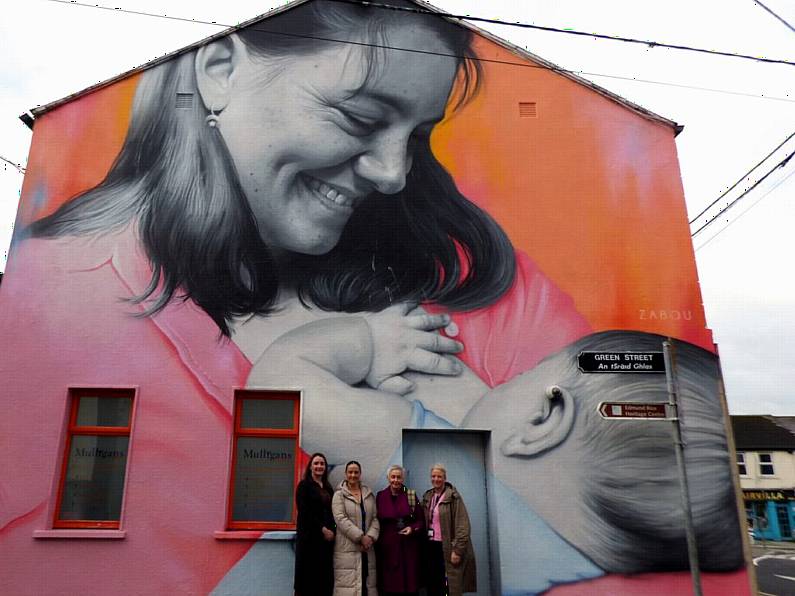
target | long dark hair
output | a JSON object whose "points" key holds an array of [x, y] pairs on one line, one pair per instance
{"points": [[324, 479], [175, 181]]}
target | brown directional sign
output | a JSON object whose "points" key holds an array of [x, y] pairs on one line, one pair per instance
{"points": [[611, 409], [621, 362]]}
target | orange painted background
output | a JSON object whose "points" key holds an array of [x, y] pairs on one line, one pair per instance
{"points": [[588, 188]]}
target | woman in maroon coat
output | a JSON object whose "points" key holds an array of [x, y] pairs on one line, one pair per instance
{"points": [[402, 531]]}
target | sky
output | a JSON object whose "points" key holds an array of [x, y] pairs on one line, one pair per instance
{"points": [[734, 112]]}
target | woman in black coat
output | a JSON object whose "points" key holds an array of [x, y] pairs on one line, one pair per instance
{"points": [[314, 536]]}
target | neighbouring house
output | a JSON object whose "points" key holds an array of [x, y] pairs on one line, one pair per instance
{"points": [[765, 447]]}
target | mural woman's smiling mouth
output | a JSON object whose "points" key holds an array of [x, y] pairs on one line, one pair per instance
{"points": [[330, 195]]}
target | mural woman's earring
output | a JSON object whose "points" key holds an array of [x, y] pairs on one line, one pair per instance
{"points": [[212, 119]]}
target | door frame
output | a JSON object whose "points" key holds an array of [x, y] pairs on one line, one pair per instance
{"points": [[492, 546]]}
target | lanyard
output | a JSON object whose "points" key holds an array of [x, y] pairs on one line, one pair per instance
{"points": [[437, 499]]}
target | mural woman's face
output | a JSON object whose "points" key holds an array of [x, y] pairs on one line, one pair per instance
{"points": [[310, 142]]}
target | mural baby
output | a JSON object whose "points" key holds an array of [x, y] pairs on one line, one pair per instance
{"points": [[582, 495], [610, 488]]}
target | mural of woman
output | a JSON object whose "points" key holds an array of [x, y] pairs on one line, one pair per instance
{"points": [[302, 185], [295, 205]]}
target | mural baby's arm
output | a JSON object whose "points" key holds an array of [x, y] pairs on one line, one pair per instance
{"points": [[375, 348], [342, 421], [331, 359]]}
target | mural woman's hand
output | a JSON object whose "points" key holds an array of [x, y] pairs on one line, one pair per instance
{"points": [[406, 339]]}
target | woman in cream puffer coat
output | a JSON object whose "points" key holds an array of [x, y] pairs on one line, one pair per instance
{"points": [[354, 555]]}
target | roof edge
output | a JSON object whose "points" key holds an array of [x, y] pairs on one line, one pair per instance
{"points": [[520, 52], [27, 119], [523, 53], [41, 110]]}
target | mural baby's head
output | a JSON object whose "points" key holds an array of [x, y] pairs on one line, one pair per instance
{"points": [[302, 157], [611, 487]]}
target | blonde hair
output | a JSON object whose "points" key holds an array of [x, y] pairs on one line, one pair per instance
{"points": [[441, 468]]}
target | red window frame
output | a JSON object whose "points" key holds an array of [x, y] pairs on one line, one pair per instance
{"points": [[239, 431], [74, 429]]}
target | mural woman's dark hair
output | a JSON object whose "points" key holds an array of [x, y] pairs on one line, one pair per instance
{"points": [[175, 181]]}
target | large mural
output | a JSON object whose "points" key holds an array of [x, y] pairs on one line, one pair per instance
{"points": [[411, 224]]}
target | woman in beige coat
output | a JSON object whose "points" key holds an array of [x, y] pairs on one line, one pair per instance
{"points": [[354, 512], [449, 549]]}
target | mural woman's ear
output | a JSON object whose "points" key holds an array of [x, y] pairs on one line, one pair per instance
{"points": [[546, 429], [215, 66]]}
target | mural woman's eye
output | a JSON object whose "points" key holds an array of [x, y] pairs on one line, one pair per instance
{"points": [[358, 126]]}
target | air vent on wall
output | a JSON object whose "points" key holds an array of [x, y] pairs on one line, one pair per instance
{"points": [[185, 100], [527, 109]]}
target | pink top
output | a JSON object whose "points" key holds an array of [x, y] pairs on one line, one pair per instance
{"points": [[435, 523], [534, 319]]}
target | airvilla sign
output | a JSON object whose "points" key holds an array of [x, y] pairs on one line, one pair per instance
{"points": [[769, 495]]}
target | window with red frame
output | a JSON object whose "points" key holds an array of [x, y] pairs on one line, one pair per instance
{"points": [[95, 459], [264, 461]]}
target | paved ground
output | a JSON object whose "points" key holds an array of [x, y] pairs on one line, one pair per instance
{"points": [[775, 568]]}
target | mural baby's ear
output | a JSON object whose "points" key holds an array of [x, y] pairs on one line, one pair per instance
{"points": [[546, 428]]}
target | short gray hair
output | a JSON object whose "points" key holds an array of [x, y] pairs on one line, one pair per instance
{"points": [[394, 467]]}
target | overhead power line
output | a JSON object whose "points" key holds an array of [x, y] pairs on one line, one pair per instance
{"points": [[779, 165], [754, 204], [786, 24], [741, 178], [649, 43], [414, 50], [18, 167]]}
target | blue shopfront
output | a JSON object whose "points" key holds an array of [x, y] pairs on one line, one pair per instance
{"points": [[771, 513]]}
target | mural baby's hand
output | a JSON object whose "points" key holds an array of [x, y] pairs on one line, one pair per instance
{"points": [[406, 338]]}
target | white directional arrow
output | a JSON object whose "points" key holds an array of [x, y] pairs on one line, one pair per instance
{"points": [[792, 579]]}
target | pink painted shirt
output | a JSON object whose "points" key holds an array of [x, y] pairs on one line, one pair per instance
{"points": [[64, 322]]}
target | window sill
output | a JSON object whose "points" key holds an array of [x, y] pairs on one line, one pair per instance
{"points": [[70, 533], [254, 535]]}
